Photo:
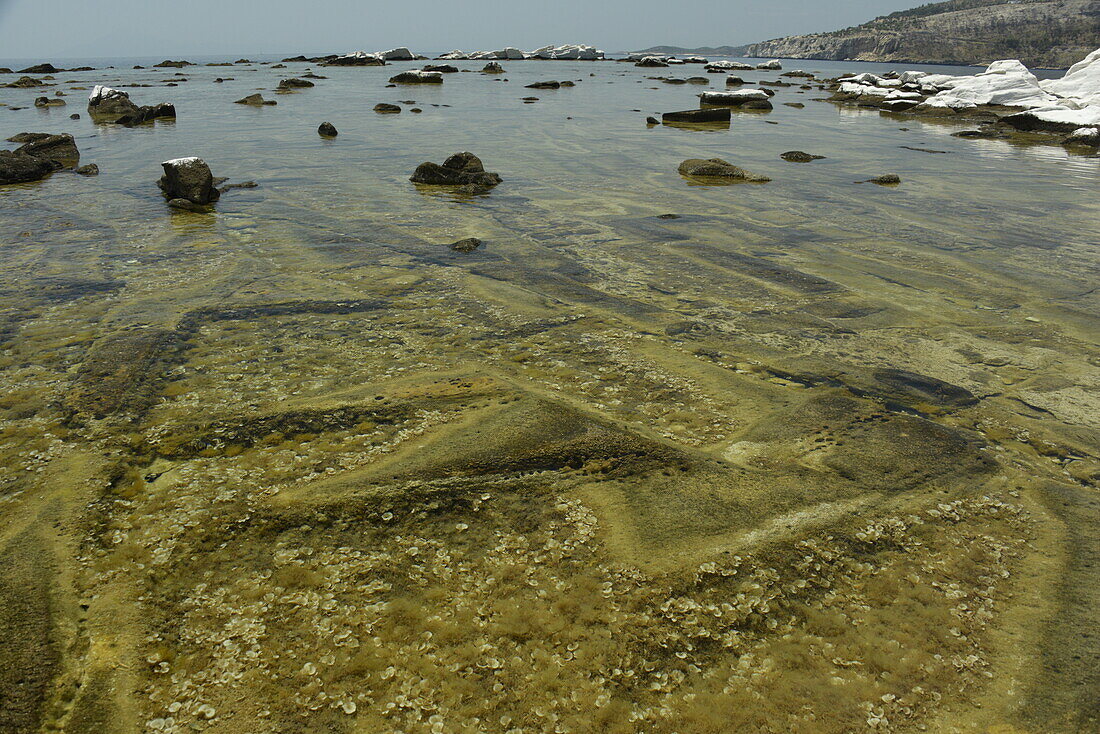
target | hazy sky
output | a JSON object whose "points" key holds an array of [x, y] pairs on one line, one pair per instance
{"points": [[44, 29]]}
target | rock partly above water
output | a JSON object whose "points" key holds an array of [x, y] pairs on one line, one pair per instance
{"points": [[189, 179], [417, 77], [39, 155], [709, 115], [798, 156], [461, 169], [716, 168], [106, 104], [256, 100], [327, 130], [467, 245], [1051, 106]]}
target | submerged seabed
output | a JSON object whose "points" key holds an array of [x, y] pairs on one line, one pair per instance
{"points": [[814, 457]]}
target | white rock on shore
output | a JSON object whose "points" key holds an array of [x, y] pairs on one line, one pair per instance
{"points": [[570, 52], [1007, 83], [728, 66], [1067, 104], [1081, 83]]}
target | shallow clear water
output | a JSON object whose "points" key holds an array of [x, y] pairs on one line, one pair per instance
{"points": [[814, 456]]}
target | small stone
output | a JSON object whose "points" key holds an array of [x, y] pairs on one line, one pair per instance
{"points": [[386, 109], [327, 130], [89, 170], [890, 179], [467, 245], [797, 156]]}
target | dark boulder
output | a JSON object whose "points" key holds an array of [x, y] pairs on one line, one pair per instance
{"points": [[441, 68], [459, 170], [16, 167], [327, 130], [493, 68], [384, 108], [147, 114], [899, 105], [889, 179], [1029, 122], [59, 149], [169, 64], [652, 121], [797, 156], [27, 137], [651, 62], [256, 100], [89, 170], [709, 115], [27, 82], [718, 169], [295, 84], [49, 102], [417, 77], [41, 69], [189, 179], [544, 85]]}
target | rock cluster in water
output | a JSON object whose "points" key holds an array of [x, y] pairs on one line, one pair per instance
{"points": [[461, 169], [107, 103], [39, 155]]}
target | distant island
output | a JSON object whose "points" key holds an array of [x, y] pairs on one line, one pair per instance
{"points": [[1041, 33]]}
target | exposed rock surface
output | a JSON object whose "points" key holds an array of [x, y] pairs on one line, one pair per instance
{"points": [[747, 98], [716, 168], [417, 77], [59, 149], [189, 179], [109, 104], [384, 108], [16, 167], [798, 156], [327, 130], [467, 245], [1061, 105], [27, 82], [359, 58], [715, 114], [256, 100], [295, 83], [39, 155], [1048, 33], [460, 169]]}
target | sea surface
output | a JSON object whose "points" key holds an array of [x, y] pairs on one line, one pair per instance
{"points": [[813, 455]]}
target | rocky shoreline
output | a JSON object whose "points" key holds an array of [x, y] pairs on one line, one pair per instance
{"points": [[1006, 100]]}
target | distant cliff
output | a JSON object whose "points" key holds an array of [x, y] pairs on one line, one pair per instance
{"points": [[1041, 33]]}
